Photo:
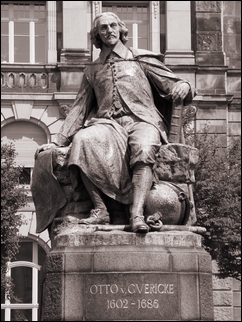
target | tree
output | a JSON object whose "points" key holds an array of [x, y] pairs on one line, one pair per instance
{"points": [[13, 197], [217, 196]]}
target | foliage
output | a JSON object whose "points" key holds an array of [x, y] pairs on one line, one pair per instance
{"points": [[217, 196], [13, 197]]}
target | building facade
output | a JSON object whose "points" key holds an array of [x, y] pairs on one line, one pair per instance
{"points": [[45, 46]]}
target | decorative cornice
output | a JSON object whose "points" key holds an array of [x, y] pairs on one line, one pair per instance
{"points": [[223, 98], [27, 68]]}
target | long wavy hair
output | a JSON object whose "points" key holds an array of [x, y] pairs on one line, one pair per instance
{"points": [[95, 37]]}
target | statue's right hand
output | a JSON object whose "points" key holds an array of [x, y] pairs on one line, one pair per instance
{"points": [[44, 147]]}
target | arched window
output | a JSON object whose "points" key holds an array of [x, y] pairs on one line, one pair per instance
{"points": [[26, 137], [27, 278]]}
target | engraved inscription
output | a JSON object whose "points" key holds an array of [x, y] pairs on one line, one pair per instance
{"points": [[133, 289], [121, 296], [140, 304]]}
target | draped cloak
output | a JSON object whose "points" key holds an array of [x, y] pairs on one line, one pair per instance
{"points": [[99, 143]]}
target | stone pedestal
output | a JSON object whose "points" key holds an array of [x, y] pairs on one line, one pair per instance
{"points": [[94, 275]]}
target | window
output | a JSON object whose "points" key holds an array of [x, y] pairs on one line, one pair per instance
{"points": [[23, 32], [26, 275], [25, 176], [27, 137], [136, 18]]}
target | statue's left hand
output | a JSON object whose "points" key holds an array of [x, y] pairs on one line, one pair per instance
{"points": [[179, 92], [44, 147]]}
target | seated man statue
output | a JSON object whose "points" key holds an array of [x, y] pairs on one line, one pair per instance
{"points": [[114, 127]]}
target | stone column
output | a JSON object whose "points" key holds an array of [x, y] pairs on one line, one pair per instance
{"points": [[178, 37], [74, 24], [96, 10], [51, 25], [75, 52], [75, 40]]}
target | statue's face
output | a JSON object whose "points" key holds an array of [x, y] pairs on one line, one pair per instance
{"points": [[108, 30]]}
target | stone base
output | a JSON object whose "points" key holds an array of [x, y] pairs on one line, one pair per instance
{"points": [[123, 276]]}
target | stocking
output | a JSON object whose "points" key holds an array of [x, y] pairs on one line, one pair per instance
{"points": [[142, 182], [94, 193]]}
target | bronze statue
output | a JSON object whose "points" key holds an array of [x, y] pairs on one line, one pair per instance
{"points": [[118, 122]]}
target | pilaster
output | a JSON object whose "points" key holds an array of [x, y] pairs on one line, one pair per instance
{"points": [[75, 52], [75, 24], [96, 10], [51, 25], [155, 25]]}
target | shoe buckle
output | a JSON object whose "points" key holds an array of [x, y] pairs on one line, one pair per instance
{"points": [[138, 218]]}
